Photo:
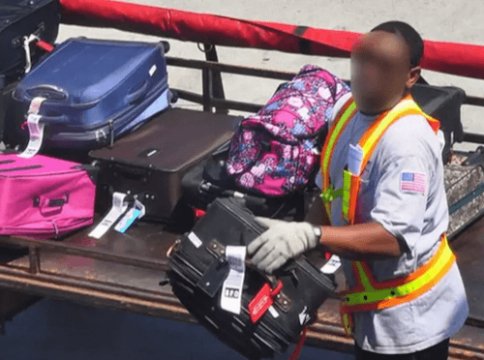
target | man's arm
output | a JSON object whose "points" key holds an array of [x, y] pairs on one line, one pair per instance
{"points": [[360, 241], [356, 241], [396, 218]]}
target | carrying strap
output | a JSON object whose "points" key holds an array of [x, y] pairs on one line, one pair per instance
{"points": [[299, 346]]}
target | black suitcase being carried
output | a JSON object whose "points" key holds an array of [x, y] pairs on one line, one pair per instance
{"points": [[19, 19], [199, 269], [150, 162]]}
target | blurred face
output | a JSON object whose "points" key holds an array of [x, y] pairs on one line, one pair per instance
{"points": [[381, 72]]}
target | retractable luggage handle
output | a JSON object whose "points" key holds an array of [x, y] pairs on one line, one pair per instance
{"points": [[253, 200], [34, 38]]}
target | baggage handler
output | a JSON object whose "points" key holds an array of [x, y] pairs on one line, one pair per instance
{"points": [[382, 186]]}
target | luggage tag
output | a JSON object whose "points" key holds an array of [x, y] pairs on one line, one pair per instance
{"points": [[331, 266], [263, 301], [36, 129], [117, 210], [136, 212], [231, 296]]}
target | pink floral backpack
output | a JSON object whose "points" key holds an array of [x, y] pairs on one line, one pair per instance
{"points": [[276, 152]]}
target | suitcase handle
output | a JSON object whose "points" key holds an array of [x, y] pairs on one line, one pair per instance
{"points": [[52, 92], [139, 93], [47, 206], [54, 120]]}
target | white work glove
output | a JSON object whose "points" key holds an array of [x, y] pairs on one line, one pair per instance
{"points": [[280, 242]]}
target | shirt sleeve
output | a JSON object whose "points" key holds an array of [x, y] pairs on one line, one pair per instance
{"points": [[401, 195]]}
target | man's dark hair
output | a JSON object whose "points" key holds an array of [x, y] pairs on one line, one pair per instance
{"points": [[411, 37]]}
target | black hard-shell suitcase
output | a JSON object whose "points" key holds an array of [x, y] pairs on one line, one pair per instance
{"points": [[199, 268], [443, 103], [19, 19], [209, 180], [150, 162]]}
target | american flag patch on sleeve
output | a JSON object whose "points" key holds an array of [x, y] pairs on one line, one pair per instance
{"points": [[415, 182]]}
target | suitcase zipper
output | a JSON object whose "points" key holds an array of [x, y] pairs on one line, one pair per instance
{"points": [[73, 171], [21, 168], [56, 230]]}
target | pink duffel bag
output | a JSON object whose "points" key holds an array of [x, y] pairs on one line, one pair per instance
{"points": [[43, 197]]}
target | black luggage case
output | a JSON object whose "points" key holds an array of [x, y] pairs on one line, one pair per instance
{"points": [[150, 162], [199, 268], [443, 103], [19, 19], [209, 180]]}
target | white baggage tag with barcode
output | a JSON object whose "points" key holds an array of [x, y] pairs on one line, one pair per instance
{"points": [[332, 265], [231, 297], [36, 129], [117, 210], [136, 212]]}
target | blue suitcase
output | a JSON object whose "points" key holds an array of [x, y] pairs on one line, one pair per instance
{"points": [[95, 91]]}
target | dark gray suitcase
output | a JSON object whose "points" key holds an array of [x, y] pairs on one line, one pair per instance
{"points": [[151, 162], [464, 182], [443, 103]]}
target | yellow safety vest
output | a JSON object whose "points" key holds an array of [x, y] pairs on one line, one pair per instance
{"points": [[369, 294]]}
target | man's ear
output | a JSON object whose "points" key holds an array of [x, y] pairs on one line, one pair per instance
{"points": [[413, 76]]}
